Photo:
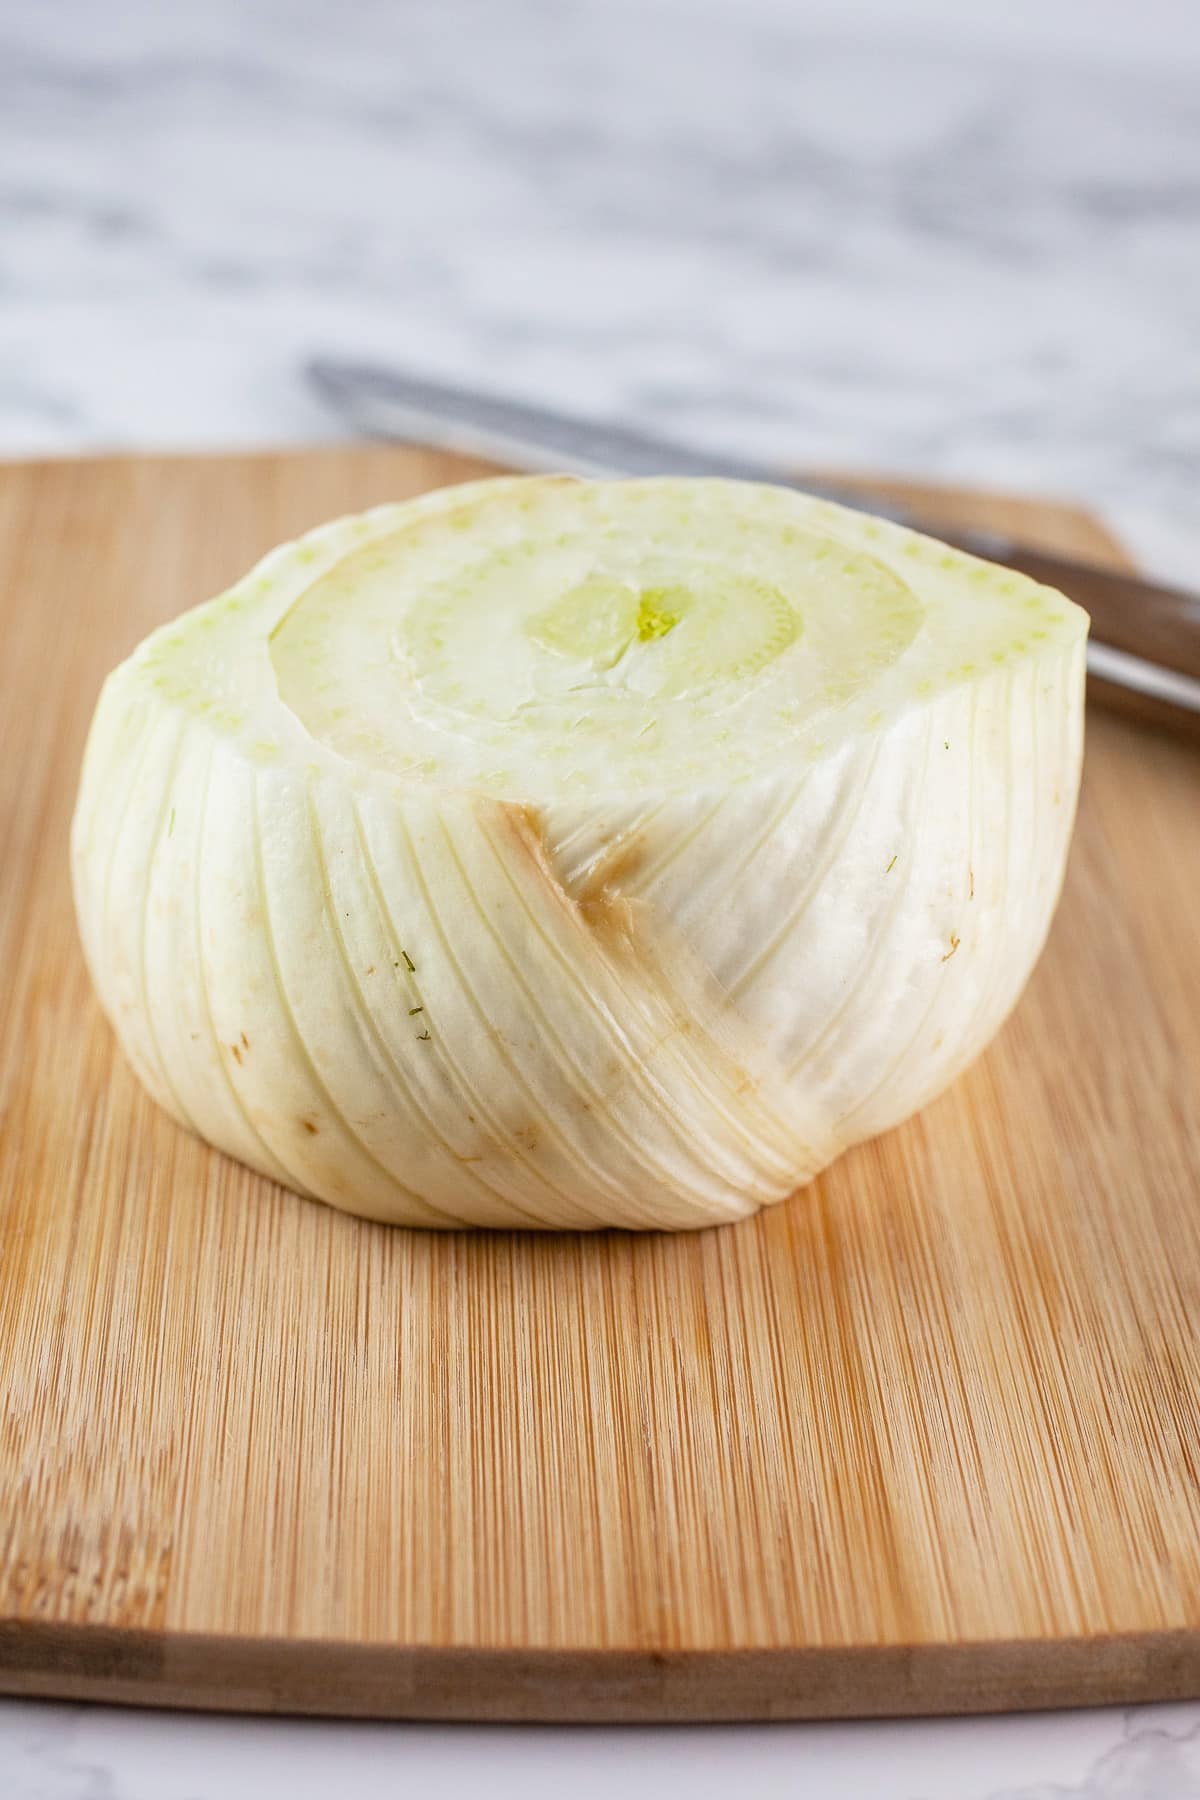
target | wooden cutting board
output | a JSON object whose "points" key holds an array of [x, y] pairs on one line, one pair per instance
{"points": [[924, 1438]]}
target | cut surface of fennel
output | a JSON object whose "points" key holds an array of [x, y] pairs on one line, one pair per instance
{"points": [[566, 854]]}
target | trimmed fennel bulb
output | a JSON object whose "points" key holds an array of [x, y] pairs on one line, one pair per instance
{"points": [[567, 854]]}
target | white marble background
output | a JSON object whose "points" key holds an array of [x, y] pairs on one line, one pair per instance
{"points": [[953, 238], [961, 239], [50, 1752]]}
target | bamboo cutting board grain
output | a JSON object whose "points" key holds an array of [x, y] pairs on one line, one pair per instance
{"points": [[923, 1438]]}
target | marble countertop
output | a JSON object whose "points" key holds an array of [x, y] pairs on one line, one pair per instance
{"points": [[961, 242], [51, 1752]]}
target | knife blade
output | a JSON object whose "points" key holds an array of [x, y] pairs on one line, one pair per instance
{"points": [[1144, 651]]}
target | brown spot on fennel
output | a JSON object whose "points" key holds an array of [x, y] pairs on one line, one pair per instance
{"points": [[669, 995], [618, 864], [607, 916]]}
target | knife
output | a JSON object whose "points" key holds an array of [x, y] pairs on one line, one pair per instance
{"points": [[1143, 655]]}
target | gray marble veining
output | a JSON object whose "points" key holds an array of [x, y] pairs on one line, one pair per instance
{"points": [[80, 1753], [874, 235]]}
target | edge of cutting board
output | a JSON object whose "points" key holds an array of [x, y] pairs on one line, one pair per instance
{"points": [[523, 1686]]}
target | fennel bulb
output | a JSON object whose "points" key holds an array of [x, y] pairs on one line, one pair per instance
{"points": [[566, 854]]}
